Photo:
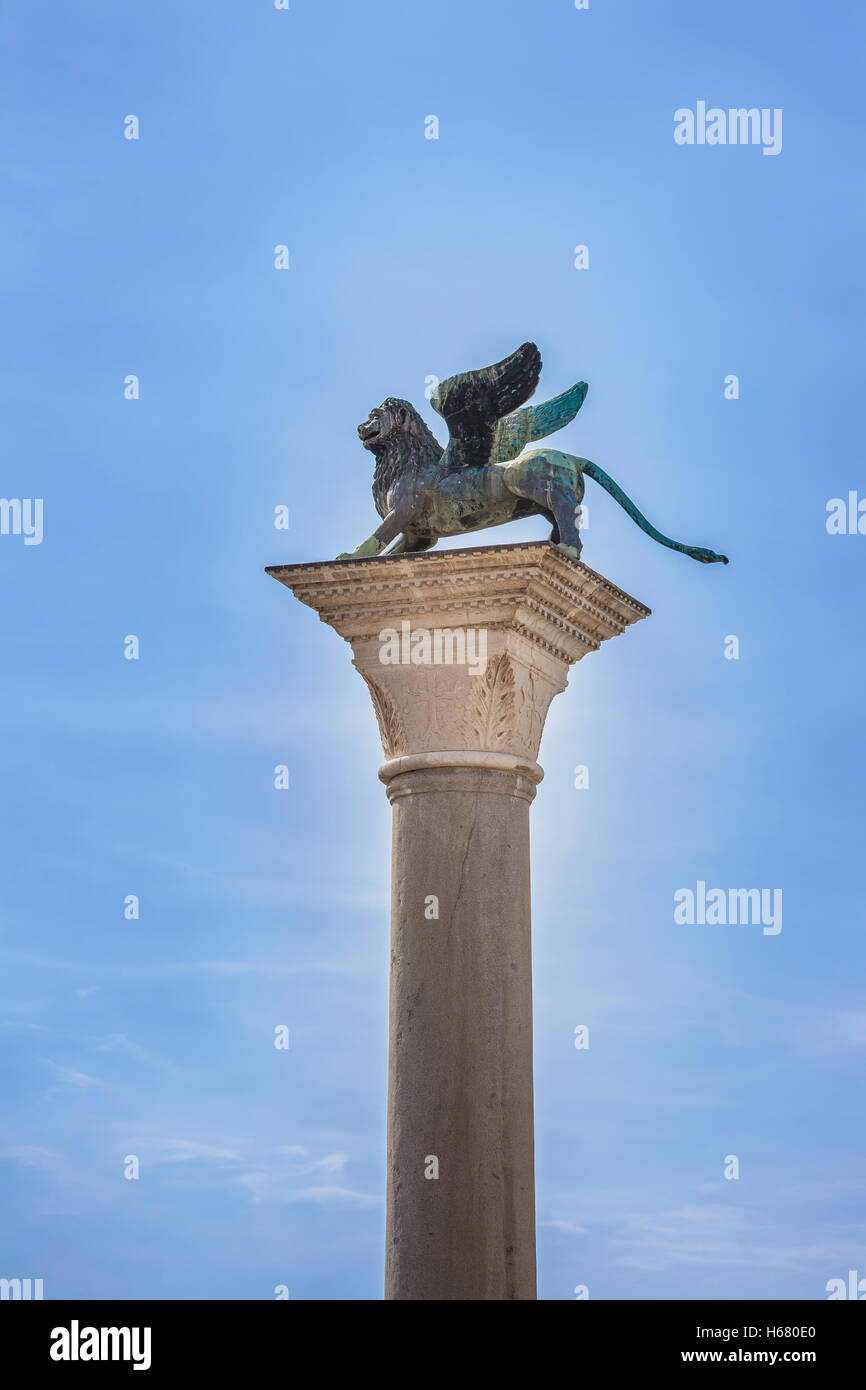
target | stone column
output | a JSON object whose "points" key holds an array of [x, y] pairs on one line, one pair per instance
{"points": [[462, 652]]}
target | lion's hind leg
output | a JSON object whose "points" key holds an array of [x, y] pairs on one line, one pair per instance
{"points": [[554, 482], [409, 545]]}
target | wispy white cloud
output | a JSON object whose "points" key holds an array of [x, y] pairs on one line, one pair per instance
{"points": [[268, 968], [305, 1163], [277, 1183], [75, 1080], [119, 1042], [185, 1150], [336, 1197], [848, 1028], [565, 1226], [715, 1234], [30, 1155]]}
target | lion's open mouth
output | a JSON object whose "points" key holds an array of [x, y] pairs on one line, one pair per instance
{"points": [[369, 430]]}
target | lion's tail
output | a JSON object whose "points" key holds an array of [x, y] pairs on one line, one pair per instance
{"points": [[707, 557]]}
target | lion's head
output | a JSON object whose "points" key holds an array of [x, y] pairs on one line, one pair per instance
{"points": [[400, 440], [391, 418]]}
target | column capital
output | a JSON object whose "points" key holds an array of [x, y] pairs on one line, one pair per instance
{"points": [[463, 650]]}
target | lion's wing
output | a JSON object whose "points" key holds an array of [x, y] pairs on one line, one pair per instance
{"points": [[534, 422], [472, 402]]}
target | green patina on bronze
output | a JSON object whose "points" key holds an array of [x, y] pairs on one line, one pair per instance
{"points": [[481, 479]]}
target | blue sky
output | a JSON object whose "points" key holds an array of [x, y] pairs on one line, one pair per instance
{"points": [[412, 257]]}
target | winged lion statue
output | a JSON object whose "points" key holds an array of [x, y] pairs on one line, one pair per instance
{"points": [[424, 492]]}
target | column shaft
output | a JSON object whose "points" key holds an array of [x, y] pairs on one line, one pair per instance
{"points": [[460, 1060]]}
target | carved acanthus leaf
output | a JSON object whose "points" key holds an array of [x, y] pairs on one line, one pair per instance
{"points": [[490, 710], [388, 719]]}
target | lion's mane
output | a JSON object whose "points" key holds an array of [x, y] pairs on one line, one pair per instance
{"points": [[407, 447]]}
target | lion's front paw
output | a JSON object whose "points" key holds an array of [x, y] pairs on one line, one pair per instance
{"points": [[367, 550]]}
